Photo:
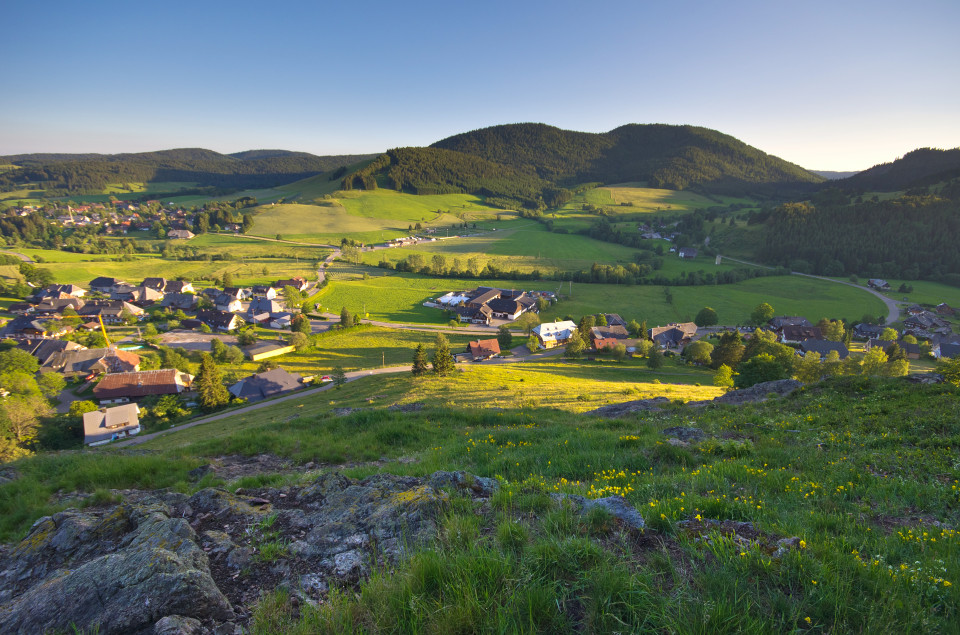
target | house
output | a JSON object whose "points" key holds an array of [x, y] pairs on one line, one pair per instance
{"points": [[110, 311], [154, 283], [484, 349], [26, 327], [614, 320], [823, 347], [178, 286], [219, 320], [946, 350], [609, 332], [298, 283], [474, 315], [944, 309], [168, 381], [605, 342], [260, 306], [50, 306], [59, 291], [553, 334], [482, 295], [141, 296], [280, 320], [673, 335], [91, 361], [228, 303], [263, 385], [21, 308], [44, 349], [687, 253], [505, 309], [263, 291], [910, 351], [879, 284], [797, 334], [779, 323], [182, 301], [105, 285], [180, 234], [211, 293], [265, 350], [109, 424], [866, 331], [915, 309]]}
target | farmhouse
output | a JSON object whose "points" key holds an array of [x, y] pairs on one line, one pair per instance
{"points": [[553, 334], [182, 301], [298, 283], [168, 381], [105, 285], [96, 361], [45, 349], [229, 303], [783, 321], [180, 234], [484, 349], [505, 309], [154, 283], [687, 253], [268, 384], [264, 291], [109, 424], [879, 284], [219, 320], [797, 334], [178, 286], [673, 335]]}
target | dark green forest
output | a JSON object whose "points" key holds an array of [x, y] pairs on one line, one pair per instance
{"points": [[919, 168], [911, 237], [69, 174]]}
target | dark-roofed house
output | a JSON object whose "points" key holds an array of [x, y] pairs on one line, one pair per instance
{"points": [[474, 315], [609, 332], [260, 310], [111, 311], [219, 320], [178, 286], [264, 291], [910, 351], [505, 309], [268, 384], [109, 424], [484, 349], [21, 308], [228, 303], [797, 334], [778, 323], [614, 320], [31, 328], [296, 282], [866, 331], [167, 381], [944, 309], [182, 301], [946, 350], [879, 284], [44, 349], [104, 284], [687, 252], [673, 335], [824, 347], [154, 283], [482, 296], [73, 363], [57, 305]]}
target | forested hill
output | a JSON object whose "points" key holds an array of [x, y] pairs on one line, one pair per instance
{"points": [[673, 157], [91, 173], [919, 168], [911, 237]]}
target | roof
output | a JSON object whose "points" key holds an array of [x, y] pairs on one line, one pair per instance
{"points": [[485, 296], [43, 350], [823, 347], [175, 286], [609, 332], [263, 305], [949, 350], [605, 342], [555, 330], [217, 319], [263, 385], [154, 283], [103, 281], [614, 320], [101, 425], [167, 381], [104, 360], [781, 321], [503, 305], [484, 348], [800, 333]]}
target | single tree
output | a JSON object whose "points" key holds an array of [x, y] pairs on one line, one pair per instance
{"points": [[706, 317], [619, 352], [723, 377], [17, 360], [655, 359], [888, 335], [533, 344], [587, 322], [762, 314], [346, 320], [729, 350], [420, 365], [633, 328], [209, 384], [338, 376], [810, 368], [233, 355], [80, 408], [51, 384], [218, 349], [247, 337], [763, 367], [301, 324], [292, 296], [698, 352], [504, 337], [442, 359], [299, 341], [575, 346], [527, 322]]}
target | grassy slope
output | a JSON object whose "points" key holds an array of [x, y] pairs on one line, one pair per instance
{"points": [[858, 470]]}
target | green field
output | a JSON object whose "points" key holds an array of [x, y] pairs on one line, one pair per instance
{"points": [[924, 292], [399, 297]]}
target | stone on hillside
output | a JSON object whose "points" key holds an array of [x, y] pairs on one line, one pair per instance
{"points": [[759, 392], [479, 485], [118, 573], [616, 506], [685, 434], [177, 625]]}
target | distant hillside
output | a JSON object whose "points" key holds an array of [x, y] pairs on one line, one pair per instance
{"points": [[831, 175], [672, 157], [919, 168], [91, 173]]}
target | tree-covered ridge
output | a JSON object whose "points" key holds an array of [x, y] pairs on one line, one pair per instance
{"points": [[673, 157], [192, 165], [919, 168], [439, 171], [911, 237]]}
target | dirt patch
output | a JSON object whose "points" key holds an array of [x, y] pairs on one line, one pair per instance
{"points": [[193, 341]]}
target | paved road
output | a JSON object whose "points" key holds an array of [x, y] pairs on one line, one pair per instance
{"points": [[893, 311], [13, 253]]}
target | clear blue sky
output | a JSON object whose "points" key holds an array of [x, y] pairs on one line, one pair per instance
{"points": [[828, 85]]}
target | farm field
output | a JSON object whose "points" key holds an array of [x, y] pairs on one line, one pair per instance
{"points": [[399, 297], [924, 292]]}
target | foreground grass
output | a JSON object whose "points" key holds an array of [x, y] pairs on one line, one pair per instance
{"points": [[863, 471]]}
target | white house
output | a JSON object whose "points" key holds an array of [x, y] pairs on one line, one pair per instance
{"points": [[553, 334]]}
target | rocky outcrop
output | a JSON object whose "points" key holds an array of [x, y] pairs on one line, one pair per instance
{"points": [[629, 407], [169, 563]]}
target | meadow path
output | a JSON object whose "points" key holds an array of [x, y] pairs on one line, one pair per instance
{"points": [[18, 255]]}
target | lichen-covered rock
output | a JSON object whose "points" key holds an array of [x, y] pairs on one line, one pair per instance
{"points": [[478, 485], [759, 392], [117, 573], [177, 625], [616, 506], [685, 433]]}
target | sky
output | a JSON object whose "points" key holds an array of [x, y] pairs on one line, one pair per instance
{"points": [[828, 85]]}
